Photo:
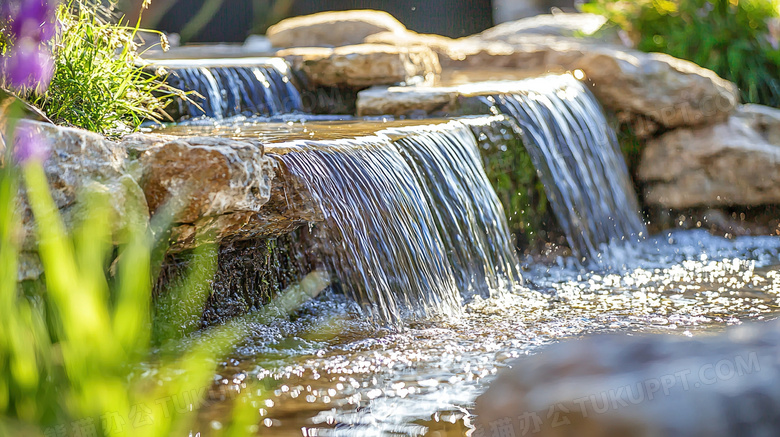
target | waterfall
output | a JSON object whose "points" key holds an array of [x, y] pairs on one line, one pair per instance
{"points": [[251, 86], [411, 222], [577, 155]]}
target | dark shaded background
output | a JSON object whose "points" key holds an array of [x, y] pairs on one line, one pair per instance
{"points": [[235, 18]]}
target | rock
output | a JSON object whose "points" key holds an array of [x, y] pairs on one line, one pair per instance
{"points": [[364, 65], [641, 386], [205, 176], [404, 101], [669, 91], [332, 29], [457, 100], [727, 163], [763, 119], [222, 189], [80, 162], [440, 45], [559, 24]]}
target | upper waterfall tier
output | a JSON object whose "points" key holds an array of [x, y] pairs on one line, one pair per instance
{"points": [[223, 88]]}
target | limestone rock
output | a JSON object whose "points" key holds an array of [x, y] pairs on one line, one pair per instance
{"points": [[404, 101], [559, 24], [641, 386], [441, 45], [364, 65], [764, 119], [332, 29], [221, 188], [727, 163], [669, 91], [80, 162], [204, 176]]}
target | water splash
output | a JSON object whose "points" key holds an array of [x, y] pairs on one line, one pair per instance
{"points": [[411, 220], [252, 86], [578, 158]]}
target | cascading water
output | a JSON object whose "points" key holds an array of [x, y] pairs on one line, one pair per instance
{"points": [[253, 86], [578, 157], [411, 220]]}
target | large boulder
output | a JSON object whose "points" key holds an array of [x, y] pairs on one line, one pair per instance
{"points": [[221, 189], [670, 91], [364, 65], [727, 163], [667, 91], [641, 386], [79, 162], [332, 29], [218, 189]]}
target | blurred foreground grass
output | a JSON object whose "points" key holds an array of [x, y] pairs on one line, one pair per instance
{"points": [[73, 350]]}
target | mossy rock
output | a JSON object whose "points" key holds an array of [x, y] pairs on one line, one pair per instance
{"points": [[514, 178]]}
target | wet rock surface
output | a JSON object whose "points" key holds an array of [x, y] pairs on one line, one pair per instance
{"points": [[729, 163], [249, 274], [763, 119], [364, 65], [456, 100], [332, 29], [626, 386]]}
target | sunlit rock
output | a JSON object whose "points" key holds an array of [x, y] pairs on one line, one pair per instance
{"points": [[79, 162], [764, 119], [558, 24], [641, 386], [219, 188], [669, 91], [364, 65], [332, 29], [397, 101], [728, 163]]}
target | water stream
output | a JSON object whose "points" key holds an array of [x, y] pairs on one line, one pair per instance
{"points": [[331, 373], [577, 155], [415, 235], [411, 222], [249, 86]]}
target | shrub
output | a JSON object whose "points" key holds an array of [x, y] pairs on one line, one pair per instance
{"points": [[738, 39], [99, 83]]}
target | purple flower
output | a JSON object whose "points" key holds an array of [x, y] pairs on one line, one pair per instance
{"points": [[29, 144], [30, 19], [29, 65]]}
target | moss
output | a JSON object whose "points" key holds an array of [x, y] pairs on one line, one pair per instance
{"points": [[514, 178], [248, 275], [631, 146]]}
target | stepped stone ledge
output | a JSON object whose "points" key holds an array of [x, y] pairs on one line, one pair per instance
{"points": [[220, 189]]}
